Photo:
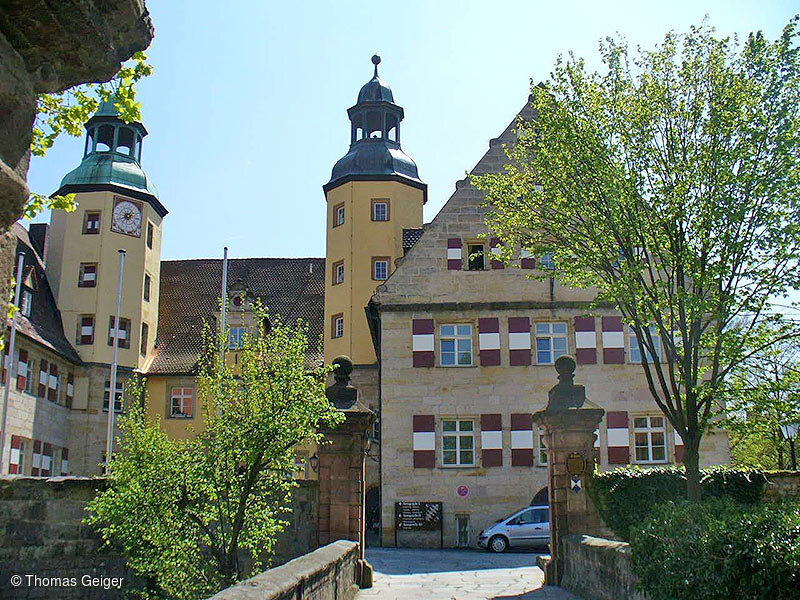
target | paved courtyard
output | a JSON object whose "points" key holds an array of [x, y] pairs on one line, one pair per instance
{"points": [[408, 573]]}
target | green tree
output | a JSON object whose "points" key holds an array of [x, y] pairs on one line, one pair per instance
{"points": [[195, 516], [762, 394], [668, 182]]}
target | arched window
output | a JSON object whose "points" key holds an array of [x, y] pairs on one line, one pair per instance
{"points": [[105, 138]]}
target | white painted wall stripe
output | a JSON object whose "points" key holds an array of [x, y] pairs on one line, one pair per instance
{"points": [[422, 342], [46, 461], [87, 330], [613, 339], [491, 440], [585, 339], [64, 466], [519, 341], [618, 437], [43, 377], [454, 254], [597, 438], [424, 440], [489, 341], [53, 382], [15, 456], [522, 439]]}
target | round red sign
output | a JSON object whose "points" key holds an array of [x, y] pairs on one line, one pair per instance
{"points": [[462, 491]]}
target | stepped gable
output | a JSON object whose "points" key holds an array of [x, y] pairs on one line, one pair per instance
{"points": [[293, 288], [44, 325]]}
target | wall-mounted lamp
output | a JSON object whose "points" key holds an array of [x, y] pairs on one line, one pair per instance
{"points": [[314, 462]]}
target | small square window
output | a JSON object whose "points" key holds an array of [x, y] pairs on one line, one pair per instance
{"points": [[338, 215], [380, 269], [236, 337], [337, 326], [380, 210], [455, 345], [458, 443], [551, 342], [85, 330], [87, 275], [338, 272], [477, 257], [123, 333], [117, 395], [636, 351], [546, 262], [650, 439], [181, 403], [91, 222]]}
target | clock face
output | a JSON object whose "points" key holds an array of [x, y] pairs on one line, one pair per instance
{"points": [[127, 217]]}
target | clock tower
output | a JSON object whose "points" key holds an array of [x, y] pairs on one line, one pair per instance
{"points": [[118, 209]]}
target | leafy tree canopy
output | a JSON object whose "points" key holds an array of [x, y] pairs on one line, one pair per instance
{"points": [[669, 183], [194, 516]]}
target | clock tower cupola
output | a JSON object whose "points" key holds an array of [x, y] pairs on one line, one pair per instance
{"points": [[118, 209]]}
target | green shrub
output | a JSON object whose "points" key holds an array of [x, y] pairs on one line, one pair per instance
{"points": [[625, 497], [719, 549]]}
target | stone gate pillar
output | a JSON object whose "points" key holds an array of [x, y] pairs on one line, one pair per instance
{"points": [[341, 457], [569, 422]]}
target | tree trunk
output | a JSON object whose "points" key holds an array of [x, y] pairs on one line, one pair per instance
{"points": [[780, 455], [691, 460]]}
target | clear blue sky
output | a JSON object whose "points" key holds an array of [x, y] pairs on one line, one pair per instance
{"points": [[247, 106]]}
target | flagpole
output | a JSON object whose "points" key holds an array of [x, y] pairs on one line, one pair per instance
{"points": [[11, 370], [112, 392], [223, 321]]}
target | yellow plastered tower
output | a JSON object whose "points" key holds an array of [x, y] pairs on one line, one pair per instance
{"points": [[373, 195]]}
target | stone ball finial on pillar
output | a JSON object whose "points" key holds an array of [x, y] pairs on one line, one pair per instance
{"points": [[342, 368]]}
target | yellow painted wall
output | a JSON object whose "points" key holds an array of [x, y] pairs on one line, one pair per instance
{"points": [[69, 247], [356, 242], [159, 390]]}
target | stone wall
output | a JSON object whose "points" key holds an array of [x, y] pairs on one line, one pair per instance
{"points": [[782, 484], [42, 536], [328, 573], [599, 569]]}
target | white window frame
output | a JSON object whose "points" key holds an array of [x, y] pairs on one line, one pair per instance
{"points": [[179, 393], [481, 252], [546, 262], [29, 375], [338, 215], [26, 302], [635, 352], [648, 430], [375, 264], [385, 206], [541, 449], [338, 327], [551, 335], [456, 337], [235, 337], [119, 392], [460, 435], [338, 272]]}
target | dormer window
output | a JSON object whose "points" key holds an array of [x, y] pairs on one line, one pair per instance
{"points": [[26, 302]]}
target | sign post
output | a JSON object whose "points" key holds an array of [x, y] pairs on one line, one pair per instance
{"points": [[418, 516]]}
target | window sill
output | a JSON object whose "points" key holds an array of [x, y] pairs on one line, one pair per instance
{"points": [[457, 366], [458, 466], [181, 417]]}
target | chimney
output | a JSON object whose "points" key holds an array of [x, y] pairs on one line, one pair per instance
{"points": [[38, 232]]}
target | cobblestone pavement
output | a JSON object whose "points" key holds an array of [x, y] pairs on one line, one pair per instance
{"points": [[408, 574]]}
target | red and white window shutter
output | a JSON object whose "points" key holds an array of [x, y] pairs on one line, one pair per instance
{"points": [[44, 379], [521, 440], [617, 437], [22, 370], [492, 440], [36, 464], [585, 341], [14, 459], [52, 392], [70, 388], [64, 461], [613, 341], [47, 460], [679, 447], [422, 342], [424, 443], [489, 341], [519, 341], [527, 260], [495, 250], [454, 254]]}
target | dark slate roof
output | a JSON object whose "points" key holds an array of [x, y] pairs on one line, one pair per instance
{"points": [[44, 325], [411, 237], [294, 288]]}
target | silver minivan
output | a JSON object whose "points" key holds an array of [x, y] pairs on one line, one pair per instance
{"points": [[528, 528]]}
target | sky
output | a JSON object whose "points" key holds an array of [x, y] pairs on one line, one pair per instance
{"points": [[246, 109]]}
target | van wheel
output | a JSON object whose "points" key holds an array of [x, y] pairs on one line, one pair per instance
{"points": [[498, 543]]}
